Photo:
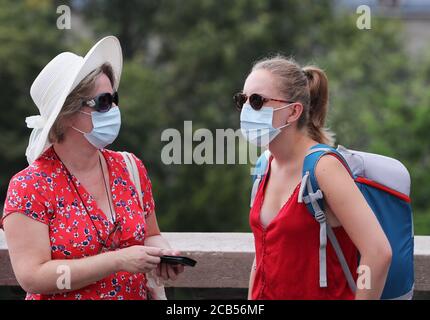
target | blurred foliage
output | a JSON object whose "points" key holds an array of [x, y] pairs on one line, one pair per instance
{"points": [[22, 53], [185, 59]]}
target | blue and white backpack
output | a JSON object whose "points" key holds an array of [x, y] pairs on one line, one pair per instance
{"points": [[385, 184]]}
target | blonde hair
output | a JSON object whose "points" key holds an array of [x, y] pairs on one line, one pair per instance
{"points": [[74, 100], [307, 85]]}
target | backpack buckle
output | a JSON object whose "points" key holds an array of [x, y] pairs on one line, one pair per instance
{"points": [[320, 216], [313, 196]]}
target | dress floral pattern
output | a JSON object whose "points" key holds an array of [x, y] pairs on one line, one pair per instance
{"points": [[43, 192]]}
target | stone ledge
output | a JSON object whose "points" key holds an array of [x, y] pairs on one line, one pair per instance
{"points": [[224, 260]]}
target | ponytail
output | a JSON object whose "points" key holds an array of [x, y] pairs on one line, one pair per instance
{"points": [[318, 89]]}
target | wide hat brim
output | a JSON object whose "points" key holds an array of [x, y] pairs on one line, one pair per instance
{"points": [[107, 50]]}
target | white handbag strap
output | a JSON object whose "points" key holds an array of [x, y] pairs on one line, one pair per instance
{"points": [[134, 173], [154, 283]]}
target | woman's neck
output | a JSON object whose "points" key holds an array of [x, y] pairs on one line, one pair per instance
{"points": [[77, 156], [290, 147]]}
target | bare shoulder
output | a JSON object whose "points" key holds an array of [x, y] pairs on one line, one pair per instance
{"points": [[338, 188], [330, 169]]}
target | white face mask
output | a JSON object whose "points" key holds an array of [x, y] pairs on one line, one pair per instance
{"points": [[106, 127], [257, 125]]}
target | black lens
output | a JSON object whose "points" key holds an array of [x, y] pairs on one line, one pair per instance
{"points": [[115, 98], [104, 102], [256, 101], [239, 99]]}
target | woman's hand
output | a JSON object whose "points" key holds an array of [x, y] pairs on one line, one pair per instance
{"points": [[153, 237], [169, 271], [136, 259]]}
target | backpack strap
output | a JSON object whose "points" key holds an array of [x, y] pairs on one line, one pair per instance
{"points": [[314, 203], [312, 196], [258, 173]]}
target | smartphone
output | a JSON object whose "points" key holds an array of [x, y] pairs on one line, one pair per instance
{"points": [[178, 260]]}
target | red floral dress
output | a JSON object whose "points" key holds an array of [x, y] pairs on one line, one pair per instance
{"points": [[43, 192]]}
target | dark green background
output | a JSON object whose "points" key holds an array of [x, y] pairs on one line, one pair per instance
{"points": [[185, 59]]}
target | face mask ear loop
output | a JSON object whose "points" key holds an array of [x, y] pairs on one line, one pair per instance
{"points": [[78, 130], [287, 124], [284, 126], [280, 108], [88, 114]]}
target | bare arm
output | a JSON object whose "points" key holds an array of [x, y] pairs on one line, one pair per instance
{"points": [[351, 209], [30, 253], [153, 235], [155, 239], [251, 280]]}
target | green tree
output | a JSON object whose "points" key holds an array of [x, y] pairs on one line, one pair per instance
{"points": [[380, 101], [185, 59], [29, 40], [204, 51]]}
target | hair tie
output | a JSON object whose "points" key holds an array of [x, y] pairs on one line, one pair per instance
{"points": [[304, 73], [307, 74]]}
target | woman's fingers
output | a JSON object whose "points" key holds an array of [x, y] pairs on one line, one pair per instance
{"points": [[158, 270], [164, 273], [154, 251], [171, 272], [171, 252], [179, 268], [152, 259], [148, 266], [163, 270]]}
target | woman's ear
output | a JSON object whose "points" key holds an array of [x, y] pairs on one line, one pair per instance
{"points": [[296, 112]]}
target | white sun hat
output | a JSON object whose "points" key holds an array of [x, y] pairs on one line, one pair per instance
{"points": [[57, 79]]}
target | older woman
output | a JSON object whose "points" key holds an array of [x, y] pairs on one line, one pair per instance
{"points": [[81, 232]]}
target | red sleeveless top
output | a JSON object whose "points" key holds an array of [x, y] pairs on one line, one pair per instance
{"points": [[287, 254]]}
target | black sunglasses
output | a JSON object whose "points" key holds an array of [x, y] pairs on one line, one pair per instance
{"points": [[255, 100], [102, 102]]}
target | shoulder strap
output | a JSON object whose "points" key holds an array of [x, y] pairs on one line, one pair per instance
{"points": [[314, 154], [134, 173], [258, 173], [312, 196], [156, 289]]}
